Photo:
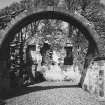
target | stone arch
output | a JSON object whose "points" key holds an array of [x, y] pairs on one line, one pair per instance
{"points": [[26, 17]]}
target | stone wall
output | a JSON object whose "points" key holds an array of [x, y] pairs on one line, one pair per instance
{"points": [[4, 77], [95, 79]]}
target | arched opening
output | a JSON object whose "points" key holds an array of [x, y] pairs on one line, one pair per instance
{"points": [[9, 37], [49, 15]]}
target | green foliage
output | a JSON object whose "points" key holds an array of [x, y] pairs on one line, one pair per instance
{"points": [[52, 30]]}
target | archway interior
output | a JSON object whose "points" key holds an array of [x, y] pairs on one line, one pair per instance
{"points": [[16, 34], [68, 43]]}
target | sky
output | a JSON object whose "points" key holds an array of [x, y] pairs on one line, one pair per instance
{"points": [[102, 1], [4, 3]]}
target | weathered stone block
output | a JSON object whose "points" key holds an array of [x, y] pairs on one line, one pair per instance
{"points": [[95, 79]]}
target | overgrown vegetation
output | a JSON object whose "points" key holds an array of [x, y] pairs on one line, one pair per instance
{"points": [[52, 30]]}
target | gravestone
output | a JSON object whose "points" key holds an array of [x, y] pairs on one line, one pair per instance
{"points": [[68, 60]]}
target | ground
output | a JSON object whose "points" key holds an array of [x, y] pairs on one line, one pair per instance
{"points": [[51, 93]]}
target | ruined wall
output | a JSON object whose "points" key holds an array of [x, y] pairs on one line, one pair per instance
{"points": [[94, 81]]}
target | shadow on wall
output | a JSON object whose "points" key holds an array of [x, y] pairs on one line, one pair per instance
{"points": [[19, 92]]}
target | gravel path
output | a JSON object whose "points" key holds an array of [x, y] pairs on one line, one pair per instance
{"points": [[52, 93]]}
